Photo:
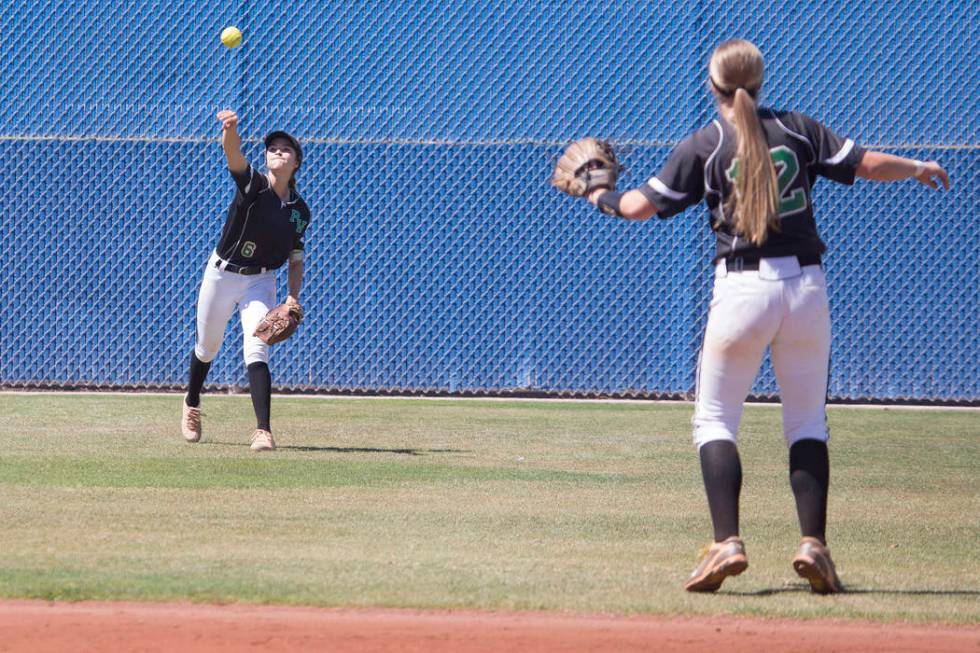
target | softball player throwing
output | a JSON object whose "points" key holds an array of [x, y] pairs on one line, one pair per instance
{"points": [[755, 168], [265, 227]]}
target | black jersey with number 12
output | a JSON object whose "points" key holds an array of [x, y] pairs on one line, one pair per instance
{"points": [[703, 166]]}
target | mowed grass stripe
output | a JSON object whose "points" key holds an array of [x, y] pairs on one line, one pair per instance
{"points": [[265, 474]]}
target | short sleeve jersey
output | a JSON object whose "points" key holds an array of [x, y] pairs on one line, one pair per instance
{"points": [[261, 229], [703, 166]]}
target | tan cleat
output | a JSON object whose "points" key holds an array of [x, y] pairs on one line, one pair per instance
{"points": [[262, 441], [190, 422], [813, 562], [718, 561]]}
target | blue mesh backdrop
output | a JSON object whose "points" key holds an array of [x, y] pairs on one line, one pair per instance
{"points": [[439, 259]]}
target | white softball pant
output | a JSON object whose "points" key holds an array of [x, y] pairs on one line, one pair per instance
{"points": [[220, 292], [782, 306]]}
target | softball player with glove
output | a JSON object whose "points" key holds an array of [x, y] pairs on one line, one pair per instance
{"points": [[755, 168], [265, 227]]}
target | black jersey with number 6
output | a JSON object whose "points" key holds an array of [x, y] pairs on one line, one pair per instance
{"points": [[261, 229], [703, 166]]}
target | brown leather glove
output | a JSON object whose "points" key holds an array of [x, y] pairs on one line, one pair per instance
{"points": [[280, 323], [585, 165]]}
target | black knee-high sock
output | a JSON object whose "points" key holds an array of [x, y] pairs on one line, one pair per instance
{"points": [[722, 472], [260, 387], [199, 372], [809, 474]]}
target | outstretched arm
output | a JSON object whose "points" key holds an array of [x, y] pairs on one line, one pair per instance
{"points": [[295, 278], [231, 141], [632, 205], [878, 166]]}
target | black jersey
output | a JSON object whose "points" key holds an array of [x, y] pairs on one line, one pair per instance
{"points": [[703, 165], [261, 229]]}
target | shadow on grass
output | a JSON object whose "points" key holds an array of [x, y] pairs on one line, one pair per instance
{"points": [[858, 590], [404, 452], [871, 590], [294, 447]]}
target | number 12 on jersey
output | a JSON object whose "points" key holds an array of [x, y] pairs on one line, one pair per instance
{"points": [[791, 200]]}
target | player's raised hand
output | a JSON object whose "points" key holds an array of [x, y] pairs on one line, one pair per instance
{"points": [[228, 118], [929, 170], [231, 141]]}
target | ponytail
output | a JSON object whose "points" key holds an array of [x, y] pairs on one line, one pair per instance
{"points": [[755, 202], [736, 72]]}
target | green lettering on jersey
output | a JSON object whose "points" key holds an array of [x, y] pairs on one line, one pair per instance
{"points": [[248, 249], [787, 168], [300, 223]]}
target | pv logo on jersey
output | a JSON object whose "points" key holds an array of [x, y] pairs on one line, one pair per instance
{"points": [[300, 223]]}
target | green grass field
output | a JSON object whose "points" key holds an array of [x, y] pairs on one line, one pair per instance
{"points": [[424, 503]]}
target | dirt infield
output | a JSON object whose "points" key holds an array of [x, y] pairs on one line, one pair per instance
{"points": [[90, 626]]}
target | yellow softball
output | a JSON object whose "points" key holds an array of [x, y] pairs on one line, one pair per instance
{"points": [[231, 37]]}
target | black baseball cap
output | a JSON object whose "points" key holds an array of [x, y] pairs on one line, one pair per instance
{"points": [[293, 143]]}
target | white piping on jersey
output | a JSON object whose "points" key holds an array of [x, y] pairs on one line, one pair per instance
{"points": [[665, 190], [292, 199], [813, 152], [840, 156], [293, 195], [707, 163], [251, 175], [248, 214], [248, 211]]}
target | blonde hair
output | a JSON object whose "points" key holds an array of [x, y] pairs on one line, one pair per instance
{"points": [[736, 72]]}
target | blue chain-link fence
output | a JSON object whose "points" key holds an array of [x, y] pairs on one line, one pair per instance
{"points": [[439, 258]]}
